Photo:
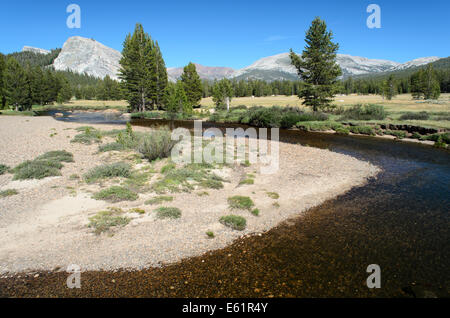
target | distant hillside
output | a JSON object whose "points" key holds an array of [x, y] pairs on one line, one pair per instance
{"points": [[35, 59]]}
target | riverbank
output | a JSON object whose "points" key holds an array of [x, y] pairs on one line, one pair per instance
{"points": [[46, 222]]}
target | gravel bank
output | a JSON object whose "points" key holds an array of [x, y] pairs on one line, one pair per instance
{"points": [[44, 227]]}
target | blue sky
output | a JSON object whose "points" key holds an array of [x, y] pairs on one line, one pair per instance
{"points": [[234, 33]]}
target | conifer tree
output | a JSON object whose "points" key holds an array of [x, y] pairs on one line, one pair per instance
{"points": [[18, 91], [389, 89], [142, 71], [2, 81], [162, 79], [192, 84], [221, 91], [317, 66]]}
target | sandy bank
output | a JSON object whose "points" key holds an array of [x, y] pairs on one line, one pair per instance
{"points": [[44, 227]]}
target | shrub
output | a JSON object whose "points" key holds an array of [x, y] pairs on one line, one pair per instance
{"points": [[342, 131], [118, 169], [234, 221], [46, 165], [3, 169], [159, 200], [255, 212], [289, 120], [138, 211], [264, 117], [415, 116], [114, 146], [240, 202], [363, 130], [365, 112], [116, 194], [247, 181], [168, 167], [105, 220], [156, 145], [439, 143], [88, 136], [273, 195], [210, 234], [8, 193], [445, 137], [318, 125], [400, 134], [168, 213]]}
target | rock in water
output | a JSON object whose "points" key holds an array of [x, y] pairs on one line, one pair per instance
{"points": [[82, 55]]}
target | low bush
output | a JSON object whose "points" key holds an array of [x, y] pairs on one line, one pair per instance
{"points": [[342, 131], [415, 116], [439, 143], [114, 146], [247, 181], [88, 136], [156, 145], [8, 193], [116, 194], [46, 165], [363, 130], [240, 202], [159, 199], [3, 169], [168, 213], [400, 134], [273, 195], [445, 137], [318, 125], [118, 169], [255, 212], [235, 222], [210, 234], [365, 112], [105, 220]]}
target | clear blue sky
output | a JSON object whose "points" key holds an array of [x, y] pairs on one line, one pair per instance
{"points": [[234, 33]]}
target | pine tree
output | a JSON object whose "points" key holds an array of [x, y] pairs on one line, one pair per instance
{"points": [[18, 90], [142, 71], [162, 79], [389, 88], [431, 87], [221, 91], [317, 66], [2, 81], [192, 84], [65, 92]]}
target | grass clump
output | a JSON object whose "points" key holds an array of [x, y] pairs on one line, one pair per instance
{"points": [[3, 169], [186, 178], [138, 211], [439, 143], [159, 199], [105, 220], [235, 222], [342, 131], [114, 146], [365, 112], [210, 234], [168, 167], [255, 212], [168, 213], [8, 193], [273, 195], [88, 136], [240, 203], [46, 165], [247, 181], [400, 134], [116, 194], [156, 145], [118, 169]]}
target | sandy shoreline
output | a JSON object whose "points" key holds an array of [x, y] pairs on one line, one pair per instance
{"points": [[44, 227]]}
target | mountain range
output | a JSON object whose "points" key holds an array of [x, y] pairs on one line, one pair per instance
{"points": [[82, 55]]}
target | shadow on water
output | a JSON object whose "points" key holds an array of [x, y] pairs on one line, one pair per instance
{"points": [[400, 221]]}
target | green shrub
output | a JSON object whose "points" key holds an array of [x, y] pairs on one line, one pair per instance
{"points": [[138, 211], [415, 116], [235, 222], [116, 194], [363, 130], [342, 131], [168, 167], [273, 195], [210, 234], [156, 145], [168, 213], [318, 125], [439, 143], [247, 181], [105, 220], [289, 120], [264, 117], [8, 193], [240, 202], [46, 165], [88, 136], [400, 134], [3, 169], [416, 135], [118, 169], [445, 137], [255, 212], [159, 200], [365, 112], [114, 146]]}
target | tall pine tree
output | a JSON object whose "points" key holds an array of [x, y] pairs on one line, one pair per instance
{"points": [[142, 71], [192, 84], [317, 66], [18, 90], [2, 81]]}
